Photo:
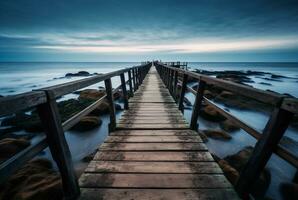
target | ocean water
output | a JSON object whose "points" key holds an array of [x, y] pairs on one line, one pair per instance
{"points": [[16, 78]]}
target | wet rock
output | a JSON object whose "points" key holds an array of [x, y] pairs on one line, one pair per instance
{"points": [[271, 79], [231, 173], [1, 96], [11, 146], [118, 106], [117, 95], [102, 109], [186, 102], [208, 94], [91, 94], [264, 83], [87, 123], [203, 136], [89, 157], [229, 126], [289, 191], [217, 134], [239, 160], [36, 180], [235, 77], [211, 114], [276, 76], [80, 73]]}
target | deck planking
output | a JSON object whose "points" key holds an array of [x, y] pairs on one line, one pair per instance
{"points": [[154, 155]]}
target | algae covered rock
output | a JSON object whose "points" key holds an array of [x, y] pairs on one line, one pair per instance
{"points": [[35, 180], [87, 123], [11, 146], [217, 134], [211, 114]]}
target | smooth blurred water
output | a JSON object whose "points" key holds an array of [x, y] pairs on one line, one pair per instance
{"points": [[22, 77]]}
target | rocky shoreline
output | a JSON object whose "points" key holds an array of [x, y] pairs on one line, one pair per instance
{"points": [[20, 184]]}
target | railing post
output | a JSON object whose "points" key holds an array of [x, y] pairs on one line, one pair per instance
{"points": [[171, 81], [197, 105], [50, 118], [168, 77], [182, 94], [108, 85], [134, 79], [175, 85], [124, 91], [137, 78], [130, 84], [273, 132]]}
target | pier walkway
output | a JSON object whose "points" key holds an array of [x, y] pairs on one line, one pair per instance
{"points": [[153, 154]]}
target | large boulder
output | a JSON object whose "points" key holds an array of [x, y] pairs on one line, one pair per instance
{"points": [[231, 173], [36, 180], [239, 160], [11, 146], [229, 126], [211, 114], [91, 94], [217, 134], [87, 123], [80, 73]]}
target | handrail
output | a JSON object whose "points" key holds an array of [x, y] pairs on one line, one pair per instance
{"points": [[267, 142], [44, 100]]}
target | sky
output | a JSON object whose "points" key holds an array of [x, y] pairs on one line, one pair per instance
{"points": [[138, 30]]}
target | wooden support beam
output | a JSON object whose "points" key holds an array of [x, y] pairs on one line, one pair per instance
{"points": [[197, 106], [273, 132], [50, 118], [124, 92], [182, 94], [112, 124], [134, 80]]}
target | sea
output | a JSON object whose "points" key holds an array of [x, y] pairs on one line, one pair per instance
{"points": [[19, 77]]}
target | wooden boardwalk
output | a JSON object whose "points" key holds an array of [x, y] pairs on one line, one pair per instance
{"points": [[154, 155]]}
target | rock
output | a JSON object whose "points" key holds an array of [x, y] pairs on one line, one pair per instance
{"points": [[23, 121], [231, 173], [11, 146], [186, 101], [117, 95], [89, 157], [91, 94], [229, 126], [289, 191], [36, 180], [209, 113], [264, 83], [275, 76], [216, 134], [118, 106], [87, 123], [203, 136], [80, 73], [1, 96], [208, 94], [235, 77], [102, 109], [239, 159]]}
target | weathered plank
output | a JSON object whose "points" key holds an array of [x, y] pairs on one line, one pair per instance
{"points": [[153, 156], [153, 167], [153, 139], [152, 146], [115, 180], [155, 194]]}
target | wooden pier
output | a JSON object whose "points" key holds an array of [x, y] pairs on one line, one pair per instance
{"points": [[151, 152], [154, 155]]}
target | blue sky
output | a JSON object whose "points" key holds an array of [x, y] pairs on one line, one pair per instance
{"points": [[136, 30]]}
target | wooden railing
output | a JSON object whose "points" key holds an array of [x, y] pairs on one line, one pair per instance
{"points": [[45, 101], [267, 141]]}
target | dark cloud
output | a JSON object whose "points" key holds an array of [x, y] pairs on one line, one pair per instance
{"points": [[24, 24]]}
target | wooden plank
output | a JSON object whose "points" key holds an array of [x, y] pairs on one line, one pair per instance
{"points": [[153, 132], [114, 180], [155, 194], [153, 167], [153, 156], [152, 126], [183, 138], [152, 120], [152, 146]]}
